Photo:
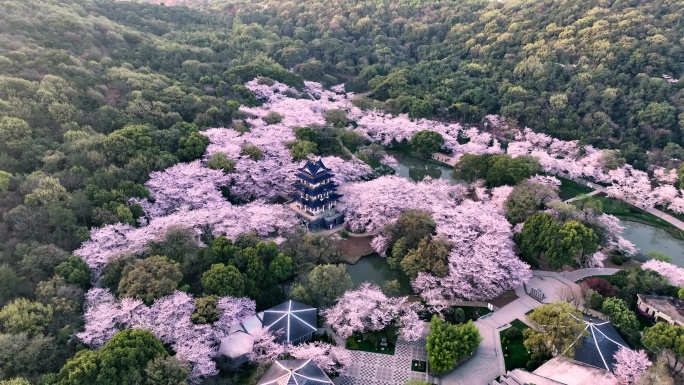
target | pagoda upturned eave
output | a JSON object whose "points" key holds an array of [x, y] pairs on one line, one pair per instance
{"points": [[314, 179], [315, 203], [321, 189]]}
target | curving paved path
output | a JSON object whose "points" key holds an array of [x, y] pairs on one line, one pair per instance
{"points": [[600, 189], [488, 362], [577, 275]]}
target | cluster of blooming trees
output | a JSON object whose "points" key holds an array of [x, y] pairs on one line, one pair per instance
{"points": [[332, 359], [367, 309], [672, 272], [482, 263], [221, 218], [630, 365], [555, 156], [168, 319]]}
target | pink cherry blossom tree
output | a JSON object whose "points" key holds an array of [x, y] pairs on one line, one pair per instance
{"points": [[332, 359], [630, 365], [673, 273], [168, 319], [266, 349], [368, 309], [184, 185]]}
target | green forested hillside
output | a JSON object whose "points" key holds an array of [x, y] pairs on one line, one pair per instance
{"points": [[589, 70]]}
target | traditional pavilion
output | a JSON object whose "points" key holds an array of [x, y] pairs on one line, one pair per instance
{"points": [[293, 321], [315, 196], [296, 320], [294, 372]]}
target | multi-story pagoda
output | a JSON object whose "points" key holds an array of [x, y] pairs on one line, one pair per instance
{"points": [[315, 192]]}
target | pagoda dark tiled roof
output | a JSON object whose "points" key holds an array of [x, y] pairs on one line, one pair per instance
{"points": [[314, 168], [295, 319]]}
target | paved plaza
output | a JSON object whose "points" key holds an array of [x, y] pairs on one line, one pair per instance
{"points": [[486, 365], [383, 369]]}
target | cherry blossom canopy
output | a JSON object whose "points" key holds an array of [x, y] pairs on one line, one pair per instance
{"points": [[294, 372]]}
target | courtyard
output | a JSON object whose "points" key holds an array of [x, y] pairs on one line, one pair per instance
{"points": [[382, 369]]}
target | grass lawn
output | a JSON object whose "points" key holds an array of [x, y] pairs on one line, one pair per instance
{"points": [[626, 211], [570, 189], [515, 353]]}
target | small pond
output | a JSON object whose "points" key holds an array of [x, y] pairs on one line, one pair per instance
{"points": [[374, 269], [417, 169], [648, 238]]}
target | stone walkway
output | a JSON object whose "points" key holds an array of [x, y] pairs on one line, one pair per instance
{"points": [[600, 189], [383, 369], [488, 362]]}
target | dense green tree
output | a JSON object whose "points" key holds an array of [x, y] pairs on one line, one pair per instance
{"points": [[471, 167], [426, 142], [24, 316], [447, 344], [167, 371], [122, 360], [10, 283], [622, 317], [526, 199], [223, 280], [336, 117], [192, 146], [39, 261], [252, 151], [273, 117], [430, 256], [15, 381], [219, 161], [74, 271], [406, 233], [206, 310], [557, 326], [66, 299], [667, 339], [504, 170], [21, 355], [538, 234], [322, 286], [300, 149], [149, 279], [573, 239]]}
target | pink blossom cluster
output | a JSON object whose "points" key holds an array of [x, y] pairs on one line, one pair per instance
{"points": [[664, 175], [370, 205], [265, 350], [482, 263], [367, 309], [221, 218], [673, 273], [614, 231], [630, 365], [168, 319], [545, 180], [188, 185], [332, 359]]}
